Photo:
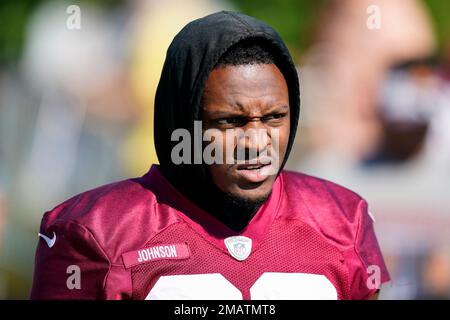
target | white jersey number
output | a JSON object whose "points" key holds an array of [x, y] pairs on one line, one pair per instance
{"points": [[271, 286]]}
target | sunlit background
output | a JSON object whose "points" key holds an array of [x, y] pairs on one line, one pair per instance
{"points": [[76, 111]]}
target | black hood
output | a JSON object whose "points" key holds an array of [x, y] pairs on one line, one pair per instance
{"points": [[190, 58]]}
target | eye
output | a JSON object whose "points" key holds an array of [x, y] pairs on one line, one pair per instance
{"points": [[273, 116], [232, 121]]}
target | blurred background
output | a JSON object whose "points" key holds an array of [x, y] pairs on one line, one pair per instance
{"points": [[76, 111]]}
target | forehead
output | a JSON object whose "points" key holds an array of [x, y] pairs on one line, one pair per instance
{"points": [[262, 84]]}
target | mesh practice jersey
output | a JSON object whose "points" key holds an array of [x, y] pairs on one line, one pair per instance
{"points": [[141, 239]]}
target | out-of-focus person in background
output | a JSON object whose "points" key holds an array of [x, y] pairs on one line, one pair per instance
{"points": [[65, 104], [377, 118], [154, 25], [345, 68], [81, 101]]}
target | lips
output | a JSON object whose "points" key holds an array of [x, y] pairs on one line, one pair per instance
{"points": [[255, 173]]}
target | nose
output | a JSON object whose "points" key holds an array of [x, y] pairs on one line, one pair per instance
{"points": [[252, 141]]}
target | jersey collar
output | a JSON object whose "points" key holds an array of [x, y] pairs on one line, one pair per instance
{"points": [[210, 228]]}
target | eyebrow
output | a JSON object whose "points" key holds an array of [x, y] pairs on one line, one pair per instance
{"points": [[240, 111], [241, 107], [284, 106]]}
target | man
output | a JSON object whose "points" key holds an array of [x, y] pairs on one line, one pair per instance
{"points": [[192, 228]]}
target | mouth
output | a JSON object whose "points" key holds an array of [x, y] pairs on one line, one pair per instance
{"points": [[255, 173]]}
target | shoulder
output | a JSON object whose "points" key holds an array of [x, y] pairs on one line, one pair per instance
{"points": [[340, 216], [320, 192], [295, 179], [333, 210], [109, 201], [116, 216]]}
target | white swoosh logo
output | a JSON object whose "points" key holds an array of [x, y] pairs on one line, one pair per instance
{"points": [[50, 242]]}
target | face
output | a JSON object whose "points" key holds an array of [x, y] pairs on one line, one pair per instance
{"points": [[254, 100]]}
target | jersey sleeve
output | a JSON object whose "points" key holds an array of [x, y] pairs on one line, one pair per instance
{"points": [[72, 267], [367, 267]]}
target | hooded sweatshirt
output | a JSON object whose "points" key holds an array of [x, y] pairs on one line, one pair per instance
{"points": [[190, 58], [147, 238]]}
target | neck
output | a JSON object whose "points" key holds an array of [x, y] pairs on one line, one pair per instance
{"points": [[233, 211]]}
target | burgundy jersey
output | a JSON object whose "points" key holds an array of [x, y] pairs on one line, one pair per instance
{"points": [[142, 239]]}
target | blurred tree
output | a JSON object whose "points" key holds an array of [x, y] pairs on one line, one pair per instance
{"points": [[440, 12], [14, 16], [294, 20]]}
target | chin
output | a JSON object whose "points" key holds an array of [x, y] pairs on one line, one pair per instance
{"points": [[234, 184], [253, 193]]}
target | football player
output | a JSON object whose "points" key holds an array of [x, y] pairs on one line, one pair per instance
{"points": [[197, 229]]}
